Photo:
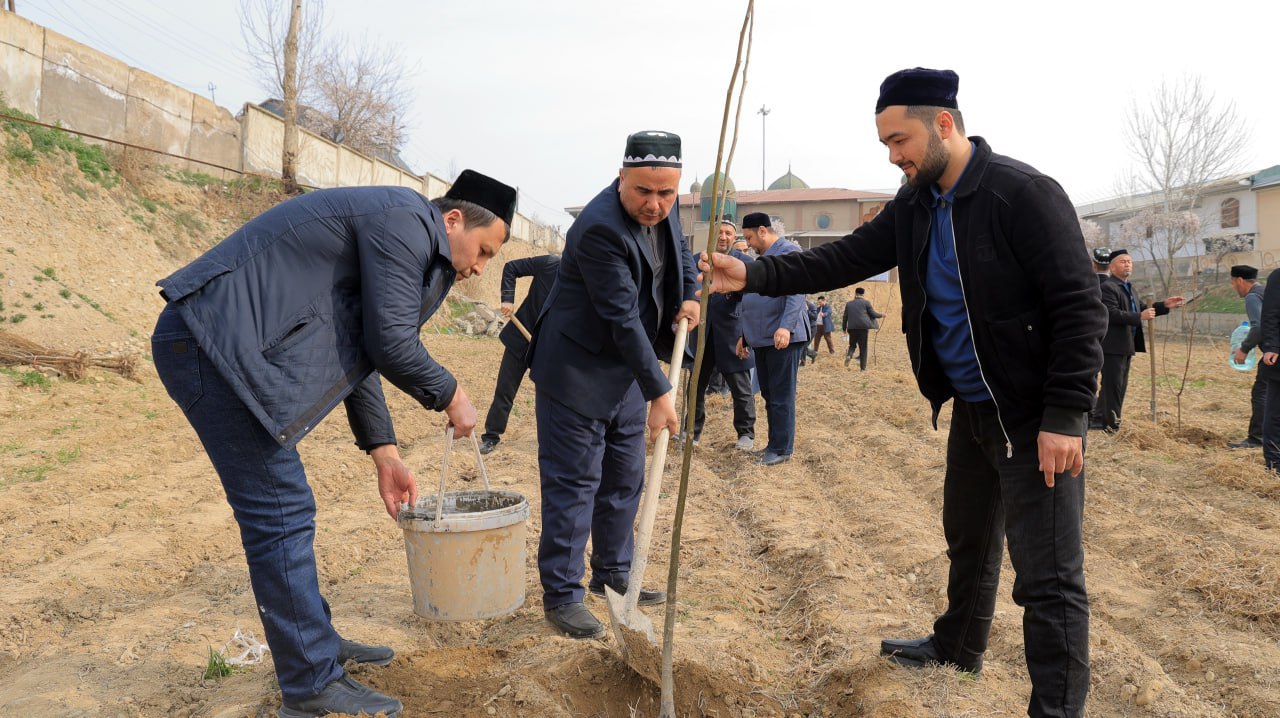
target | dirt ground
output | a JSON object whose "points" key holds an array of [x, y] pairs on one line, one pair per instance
{"points": [[122, 569]]}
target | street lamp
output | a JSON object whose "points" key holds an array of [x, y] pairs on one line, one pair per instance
{"points": [[764, 112]]}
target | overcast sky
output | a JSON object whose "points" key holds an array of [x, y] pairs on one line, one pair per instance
{"points": [[542, 94]]}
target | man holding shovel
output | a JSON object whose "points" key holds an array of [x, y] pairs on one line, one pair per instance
{"points": [[305, 307], [626, 278], [1002, 317]]}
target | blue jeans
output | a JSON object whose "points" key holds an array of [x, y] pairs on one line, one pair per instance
{"points": [[267, 489], [988, 497], [592, 476], [777, 370]]}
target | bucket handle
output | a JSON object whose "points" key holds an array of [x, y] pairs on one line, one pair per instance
{"points": [[444, 469]]}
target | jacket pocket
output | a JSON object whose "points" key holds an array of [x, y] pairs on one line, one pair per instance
{"points": [[1018, 344], [295, 331]]}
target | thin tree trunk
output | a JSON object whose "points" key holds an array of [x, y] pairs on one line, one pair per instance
{"points": [[289, 156]]}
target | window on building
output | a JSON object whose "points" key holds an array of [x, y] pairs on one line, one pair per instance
{"points": [[824, 221], [1230, 211]]}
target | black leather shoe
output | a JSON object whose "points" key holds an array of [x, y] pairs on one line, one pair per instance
{"points": [[920, 652], [344, 695], [360, 653], [575, 621], [1244, 444], [1095, 426], [487, 445], [647, 597]]}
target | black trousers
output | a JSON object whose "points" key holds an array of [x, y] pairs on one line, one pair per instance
{"points": [[1271, 426], [744, 401], [989, 496], [1258, 400], [1115, 380], [510, 374], [858, 340]]}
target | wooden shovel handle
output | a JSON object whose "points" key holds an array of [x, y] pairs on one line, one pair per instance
{"points": [[653, 481]]}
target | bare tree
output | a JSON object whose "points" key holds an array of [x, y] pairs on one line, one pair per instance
{"points": [[1094, 235], [289, 153], [362, 90], [1183, 139], [264, 25]]}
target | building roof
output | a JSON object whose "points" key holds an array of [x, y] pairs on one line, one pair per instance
{"points": [[1267, 178], [823, 194], [788, 181]]}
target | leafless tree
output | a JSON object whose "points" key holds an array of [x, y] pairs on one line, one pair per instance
{"points": [[362, 89], [264, 25], [1183, 138], [1094, 235]]}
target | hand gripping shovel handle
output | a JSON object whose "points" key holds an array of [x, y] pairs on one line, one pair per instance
{"points": [[653, 482]]}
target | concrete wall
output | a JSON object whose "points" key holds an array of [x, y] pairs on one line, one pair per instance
{"points": [[21, 62], [59, 80]]}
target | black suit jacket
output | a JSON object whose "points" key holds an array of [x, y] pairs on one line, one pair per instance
{"points": [[724, 327], [859, 314], [1270, 323], [601, 328], [543, 269], [1121, 319]]}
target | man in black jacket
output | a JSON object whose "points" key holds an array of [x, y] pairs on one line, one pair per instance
{"points": [[1269, 371], [511, 371], [1125, 314], [1002, 315], [859, 318]]}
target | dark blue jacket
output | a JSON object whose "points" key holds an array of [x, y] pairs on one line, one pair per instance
{"points": [[763, 315], [601, 328], [543, 269], [302, 307], [724, 327]]}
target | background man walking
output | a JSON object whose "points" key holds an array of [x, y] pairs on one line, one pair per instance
{"points": [[859, 318]]}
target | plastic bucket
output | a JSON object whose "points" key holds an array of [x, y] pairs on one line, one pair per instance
{"points": [[467, 564]]}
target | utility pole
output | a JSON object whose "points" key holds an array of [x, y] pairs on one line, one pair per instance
{"points": [[289, 156], [764, 112]]}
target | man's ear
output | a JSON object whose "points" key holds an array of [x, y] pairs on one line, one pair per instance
{"points": [[453, 219], [946, 124]]}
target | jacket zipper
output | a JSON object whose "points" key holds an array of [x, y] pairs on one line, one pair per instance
{"points": [[1008, 444]]}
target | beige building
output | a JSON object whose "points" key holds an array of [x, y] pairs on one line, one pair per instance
{"points": [[810, 217]]}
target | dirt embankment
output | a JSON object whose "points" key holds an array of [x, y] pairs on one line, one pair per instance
{"points": [[122, 567]]}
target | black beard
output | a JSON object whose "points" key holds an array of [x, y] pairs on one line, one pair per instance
{"points": [[934, 164]]}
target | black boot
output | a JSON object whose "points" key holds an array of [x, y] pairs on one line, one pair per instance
{"points": [[575, 621], [344, 695], [921, 652]]}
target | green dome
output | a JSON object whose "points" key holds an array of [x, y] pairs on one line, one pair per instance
{"points": [[710, 183], [789, 181], [695, 188]]}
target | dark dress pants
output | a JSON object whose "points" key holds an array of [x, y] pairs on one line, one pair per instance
{"points": [[858, 340], [744, 402], [592, 476], [776, 370], [1115, 381], [1271, 426], [267, 489], [510, 374], [1258, 402], [989, 496]]}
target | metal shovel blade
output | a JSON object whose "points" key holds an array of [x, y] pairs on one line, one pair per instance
{"points": [[633, 632]]}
